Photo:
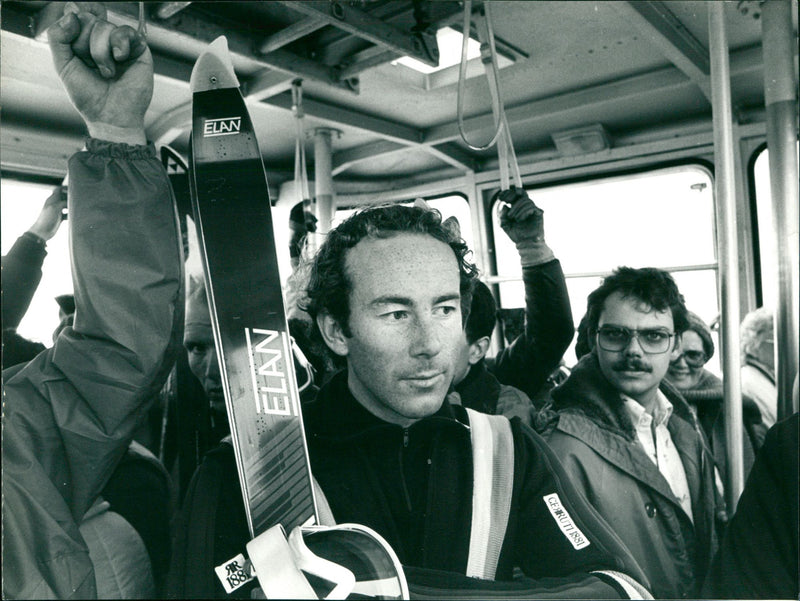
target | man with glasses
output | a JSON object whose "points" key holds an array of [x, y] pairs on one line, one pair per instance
{"points": [[628, 438]]}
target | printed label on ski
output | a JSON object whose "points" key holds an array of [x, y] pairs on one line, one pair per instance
{"points": [[234, 224], [234, 573]]}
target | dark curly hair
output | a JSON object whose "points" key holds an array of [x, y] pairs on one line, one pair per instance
{"points": [[482, 314], [652, 286], [329, 286]]}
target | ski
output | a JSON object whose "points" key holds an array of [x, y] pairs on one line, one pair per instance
{"points": [[230, 202], [230, 199]]}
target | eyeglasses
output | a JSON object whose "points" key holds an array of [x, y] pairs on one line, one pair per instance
{"points": [[693, 358], [615, 338]]}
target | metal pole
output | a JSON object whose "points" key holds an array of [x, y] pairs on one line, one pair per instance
{"points": [[780, 98], [323, 177], [725, 191]]}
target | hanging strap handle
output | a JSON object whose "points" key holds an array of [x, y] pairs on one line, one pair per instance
{"points": [[506, 156], [300, 174]]}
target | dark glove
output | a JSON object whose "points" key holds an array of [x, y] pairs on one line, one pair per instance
{"points": [[311, 221], [523, 221]]}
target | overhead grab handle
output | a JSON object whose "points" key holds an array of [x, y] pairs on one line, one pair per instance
{"points": [[300, 174], [507, 158]]}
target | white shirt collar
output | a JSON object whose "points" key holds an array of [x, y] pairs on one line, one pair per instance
{"points": [[662, 410]]}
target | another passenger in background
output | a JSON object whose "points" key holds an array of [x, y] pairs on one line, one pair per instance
{"points": [[758, 365], [70, 413], [198, 339], [630, 441], [503, 385], [302, 221], [703, 391], [477, 388], [530, 359], [22, 272], [758, 555]]}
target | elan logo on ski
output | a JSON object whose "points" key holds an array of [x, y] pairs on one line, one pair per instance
{"points": [[269, 350], [225, 126]]}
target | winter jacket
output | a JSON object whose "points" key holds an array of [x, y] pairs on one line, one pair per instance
{"points": [[758, 383], [528, 361], [414, 487], [70, 413], [22, 272], [758, 557], [592, 434], [707, 399], [481, 391]]}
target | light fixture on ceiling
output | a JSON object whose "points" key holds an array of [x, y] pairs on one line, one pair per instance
{"points": [[450, 42]]}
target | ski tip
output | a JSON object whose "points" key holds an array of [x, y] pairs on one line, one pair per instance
{"points": [[214, 69]]}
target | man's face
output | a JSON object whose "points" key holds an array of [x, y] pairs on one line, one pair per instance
{"points": [[405, 325], [630, 370], [683, 375], [198, 338]]}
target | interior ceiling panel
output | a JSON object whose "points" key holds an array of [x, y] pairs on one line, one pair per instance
{"points": [[621, 64]]}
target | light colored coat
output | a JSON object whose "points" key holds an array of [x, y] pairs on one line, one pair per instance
{"points": [[599, 450]]}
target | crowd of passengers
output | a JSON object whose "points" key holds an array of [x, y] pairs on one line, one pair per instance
{"points": [[606, 475]]}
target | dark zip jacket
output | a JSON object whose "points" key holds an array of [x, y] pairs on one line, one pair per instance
{"points": [[414, 486]]}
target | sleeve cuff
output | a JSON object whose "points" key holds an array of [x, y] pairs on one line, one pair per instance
{"points": [[34, 239], [118, 150], [534, 253]]}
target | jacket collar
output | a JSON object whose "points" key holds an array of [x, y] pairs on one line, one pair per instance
{"points": [[708, 396], [336, 414], [589, 392], [479, 390], [765, 369]]}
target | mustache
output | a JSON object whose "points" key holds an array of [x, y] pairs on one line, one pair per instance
{"points": [[631, 365]]}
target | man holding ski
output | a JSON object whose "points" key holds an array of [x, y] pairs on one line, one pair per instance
{"points": [[388, 291], [462, 498]]}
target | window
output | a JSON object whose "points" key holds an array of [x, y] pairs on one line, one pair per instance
{"points": [[21, 204], [767, 249], [453, 205], [662, 218], [449, 42]]}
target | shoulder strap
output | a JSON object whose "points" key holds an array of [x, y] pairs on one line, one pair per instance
{"points": [[493, 482]]}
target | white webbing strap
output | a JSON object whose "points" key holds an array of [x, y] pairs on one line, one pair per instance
{"points": [[493, 482], [343, 579], [274, 562], [633, 589]]}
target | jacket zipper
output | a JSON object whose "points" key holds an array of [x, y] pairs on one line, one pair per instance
{"points": [[402, 471]]}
